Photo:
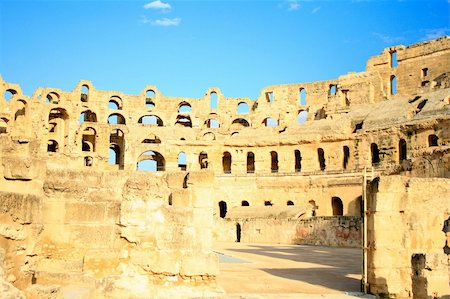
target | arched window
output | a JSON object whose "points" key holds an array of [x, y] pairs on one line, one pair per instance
{"points": [[402, 155], [114, 154], [88, 161], [115, 103], [53, 98], [117, 148], [184, 107], [243, 108], [151, 161], [250, 162], [393, 84], [209, 136], [212, 123], [394, 61], [270, 122], [433, 140], [88, 116], [332, 89], [222, 209], [3, 125], [150, 94], [245, 203], [84, 93], [290, 203], [274, 161], [302, 97], [313, 207], [268, 203], [182, 161], [116, 119], [213, 100], [346, 152], [337, 206], [298, 161], [321, 157], [226, 162], [151, 120], [375, 154], [302, 116], [239, 123], [203, 160], [21, 109], [149, 99], [88, 140], [184, 121], [153, 139], [9, 94], [52, 146]]}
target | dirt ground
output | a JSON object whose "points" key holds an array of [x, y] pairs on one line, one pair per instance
{"points": [[288, 271]]}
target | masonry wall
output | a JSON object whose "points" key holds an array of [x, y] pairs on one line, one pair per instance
{"points": [[405, 237], [339, 231]]}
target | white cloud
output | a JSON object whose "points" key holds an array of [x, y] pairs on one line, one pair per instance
{"points": [[316, 9], [435, 33], [158, 4], [293, 5], [166, 22]]}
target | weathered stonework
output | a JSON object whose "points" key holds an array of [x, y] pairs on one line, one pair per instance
{"points": [[76, 216]]}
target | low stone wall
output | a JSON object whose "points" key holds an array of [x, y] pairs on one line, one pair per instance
{"points": [[341, 231]]}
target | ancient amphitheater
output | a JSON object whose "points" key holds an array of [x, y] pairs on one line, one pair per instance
{"points": [[123, 195]]}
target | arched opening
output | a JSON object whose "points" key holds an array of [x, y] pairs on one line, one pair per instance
{"points": [[274, 161], [3, 125], [117, 146], [21, 109], [394, 61], [302, 97], [226, 162], [321, 157], [337, 206], [213, 100], [9, 94], [115, 103], [58, 121], [346, 152], [270, 122], [243, 108], [359, 206], [240, 123], [433, 140], [222, 209], [375, 154], [88, 140], [298, 161], [289, 203], [184, 107], [250, 162], [182, 161], [209, 136], [53, 98], [87, 116], [52, 146], [302, 116], [313, 207], [151, 120], [151, 161], [402, 154], [116, 119], [332, 89], [245, 203], [203, 160], [149, 99], [183, 121], [238, 232], [268, 203], [150, 93], [212, 123], [84, 93], [393, 84], [88, 161]]}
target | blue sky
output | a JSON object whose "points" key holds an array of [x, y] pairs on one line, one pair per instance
{"points": [[185, 47]]}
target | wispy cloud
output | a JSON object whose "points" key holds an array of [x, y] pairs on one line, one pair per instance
{"points": [[158, 5], [388, 39], [316, 9], [164, 22], [435, 33], [293, 5]]}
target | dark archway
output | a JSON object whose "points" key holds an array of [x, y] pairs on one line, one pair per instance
{"points": [[238, 232], [222, 209], [338, 207]]}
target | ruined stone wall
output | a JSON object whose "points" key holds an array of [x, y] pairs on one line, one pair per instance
{"points": [[340, 231], [405, 237], [110, 235]]}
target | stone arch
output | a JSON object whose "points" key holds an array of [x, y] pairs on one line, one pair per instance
{"points": [[433, 140], [209, 136], [156, 161], [337, 206], [222, 209], [289, 203], [203, 160], [9, 94], [375, 153], [346, 158], [250, 162], [302, 96], [302, 116], [184, 107], [212, 123], [240, 123], [182, 161], [115, 103], [88, 140], [298, 161], [116, 119], [3, 125], [270, 122], [184, 121], [84, 96], [273, 161], [226, 162], [151, 120], [321, 158], [53, 97], [402, 150], [245, 203], [117, 148], [52, 146], [243, 108], [88, 116]]}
